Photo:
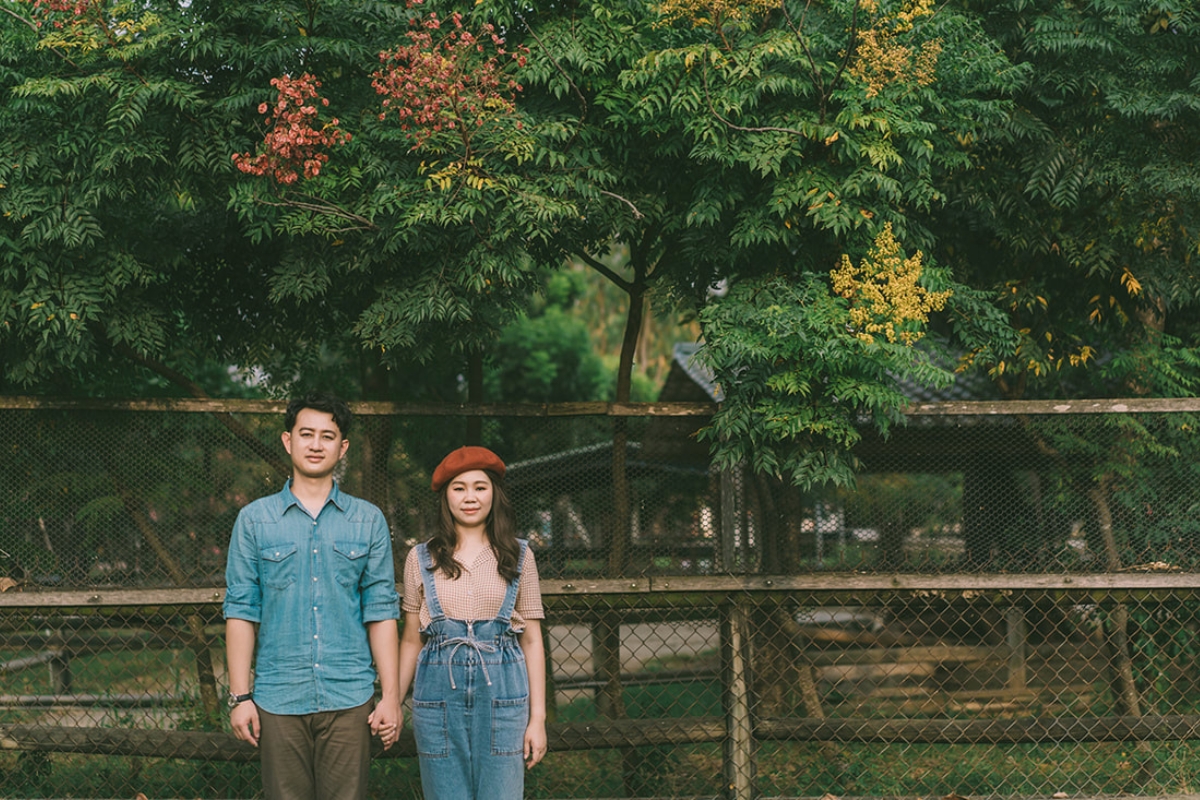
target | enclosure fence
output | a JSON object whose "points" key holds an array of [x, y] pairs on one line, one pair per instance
{"points": [[1004, 605]]}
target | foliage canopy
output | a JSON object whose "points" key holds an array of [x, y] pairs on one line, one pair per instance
{"points": [[276, 184]]}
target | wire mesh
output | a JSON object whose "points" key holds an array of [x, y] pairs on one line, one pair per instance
{"points": [[708, 634]]}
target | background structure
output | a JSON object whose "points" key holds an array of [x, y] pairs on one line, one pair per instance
{"points": [[1004, 605]]}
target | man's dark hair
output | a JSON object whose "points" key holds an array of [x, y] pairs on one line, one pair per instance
{"points": [[324, 402]]}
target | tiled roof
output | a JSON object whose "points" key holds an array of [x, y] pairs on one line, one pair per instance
{"points": [[966, 386], [685, 357]]}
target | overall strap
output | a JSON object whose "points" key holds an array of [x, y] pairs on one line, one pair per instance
{"points": [[510, 596], [427, 580]]}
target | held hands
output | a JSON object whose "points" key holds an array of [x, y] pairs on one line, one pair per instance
{"points": [[385, 722], [535, 743], [244, 719]]}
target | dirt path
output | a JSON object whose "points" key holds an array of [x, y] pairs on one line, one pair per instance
{"points": [[571, 645]]}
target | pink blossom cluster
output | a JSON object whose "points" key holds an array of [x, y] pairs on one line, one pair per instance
{"points": [[293, 146], [60, 13], [445, 79]]}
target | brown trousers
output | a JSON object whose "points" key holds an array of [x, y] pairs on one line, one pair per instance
{"points": [[323, 756]]}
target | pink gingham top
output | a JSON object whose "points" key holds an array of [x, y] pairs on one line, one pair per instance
{"points": [[478, 593]]}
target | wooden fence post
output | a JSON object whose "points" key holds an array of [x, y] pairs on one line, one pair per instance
{"points": [[60, 672], [739, 759], [1017, 646]]}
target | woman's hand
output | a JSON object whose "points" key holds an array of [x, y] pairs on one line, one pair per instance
{"points": [[385, 722], [535, 743]]}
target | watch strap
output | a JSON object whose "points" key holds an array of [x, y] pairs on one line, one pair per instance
{"points": [[237, 699]]}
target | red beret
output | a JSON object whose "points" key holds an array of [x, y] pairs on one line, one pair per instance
{"points": [[463, 460]]}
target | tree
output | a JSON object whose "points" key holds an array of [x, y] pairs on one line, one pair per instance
{"points": [[1081, 217], [386, 182]]}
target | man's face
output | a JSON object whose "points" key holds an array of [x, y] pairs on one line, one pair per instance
{"points": [[315, 444]]}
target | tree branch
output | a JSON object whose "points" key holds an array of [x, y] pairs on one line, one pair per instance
{"points": [[636, 214], [33, 26], [625, 285], [558, 67], [195, 390], [324, 208], [712, 108]]}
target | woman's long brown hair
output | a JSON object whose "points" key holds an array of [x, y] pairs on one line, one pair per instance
{"points": [[501, 528]]}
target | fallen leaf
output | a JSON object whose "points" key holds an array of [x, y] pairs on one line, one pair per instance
{"points": [[7, 583]]}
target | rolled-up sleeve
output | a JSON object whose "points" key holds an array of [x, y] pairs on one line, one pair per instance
{"points": [[379, 598], [243, 591], [529, 590]]}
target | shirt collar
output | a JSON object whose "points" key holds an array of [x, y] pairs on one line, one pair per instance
{"points": [[336, 496]]}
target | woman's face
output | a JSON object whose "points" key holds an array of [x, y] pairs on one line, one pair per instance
{"points": [[469, 496]]}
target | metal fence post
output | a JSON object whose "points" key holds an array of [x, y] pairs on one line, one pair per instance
{"points": [[739, 757]]}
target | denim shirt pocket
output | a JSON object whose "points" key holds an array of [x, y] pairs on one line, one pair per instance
{"points": [[350, 561], [279, 566]]}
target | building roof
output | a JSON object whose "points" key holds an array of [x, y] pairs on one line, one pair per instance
{"points": [[966, 386]]}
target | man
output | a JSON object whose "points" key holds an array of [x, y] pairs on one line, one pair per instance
{"points": [[310, 582]]}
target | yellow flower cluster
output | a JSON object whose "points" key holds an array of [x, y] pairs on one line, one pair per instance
{"points": [[707, 13], [884, 292], [880, 58]]}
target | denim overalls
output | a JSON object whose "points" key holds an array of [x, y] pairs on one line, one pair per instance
{"points": [[470, 700]]}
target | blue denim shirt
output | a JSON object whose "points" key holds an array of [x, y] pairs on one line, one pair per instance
{"points": [[311, 585]]}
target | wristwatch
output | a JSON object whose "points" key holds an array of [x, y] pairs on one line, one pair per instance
{"points": [[236, 699]]}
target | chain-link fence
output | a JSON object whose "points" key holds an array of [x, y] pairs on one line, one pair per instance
{"points": [[1004, 605]]}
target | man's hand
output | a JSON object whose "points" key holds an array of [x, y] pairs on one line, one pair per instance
{"points": [[244, 719], [385, 722]]}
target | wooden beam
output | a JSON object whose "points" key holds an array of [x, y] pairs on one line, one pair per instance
{"points": [[363, 408], [708, 588], [948, 586], [1055, 730], [1128, 405]]}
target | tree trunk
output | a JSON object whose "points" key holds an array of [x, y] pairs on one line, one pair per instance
{"points": [[1126, 699], [620, 539], [606, 637]]}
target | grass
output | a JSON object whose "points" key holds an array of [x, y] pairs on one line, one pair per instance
{"points": [[813, 769], [38, 775], [785, 769]]}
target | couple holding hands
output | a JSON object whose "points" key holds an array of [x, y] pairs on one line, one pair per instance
{"points": [[311, 604]]}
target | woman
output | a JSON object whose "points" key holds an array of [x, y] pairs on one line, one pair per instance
{"points": [[472, 641]]}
